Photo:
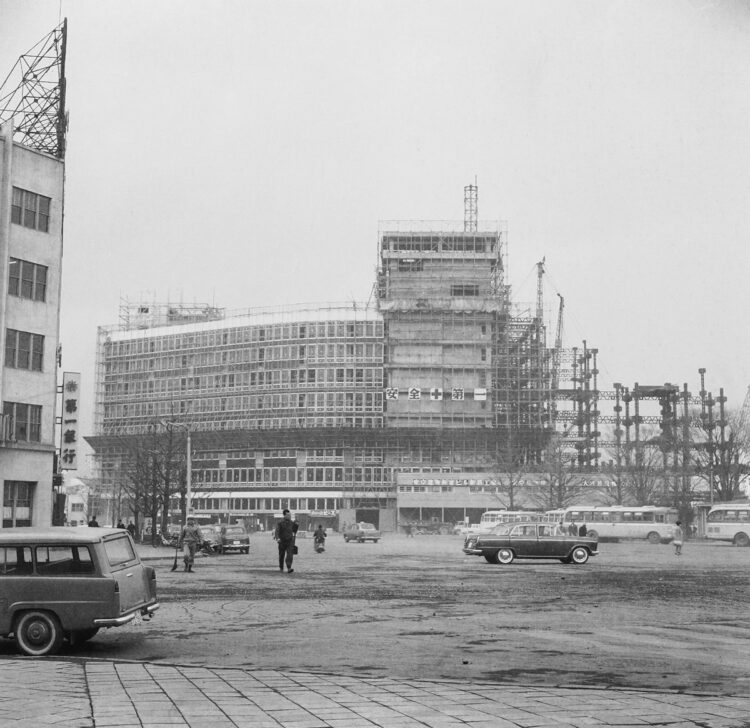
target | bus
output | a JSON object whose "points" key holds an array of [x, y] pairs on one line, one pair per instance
{"points": [[729, 522], [489, 519], [653, 523]]}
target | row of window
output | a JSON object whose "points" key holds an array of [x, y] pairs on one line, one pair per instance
{"points": [[24, 350], [313, 353], [30, 210], [731, 516], [367, 377], [139, 426], [27, 280], [323, 455], [25, 421], [436, 243], [275, 476], [272, 505], [249, 334], [17, 503], [465, 289], [318, 402]]}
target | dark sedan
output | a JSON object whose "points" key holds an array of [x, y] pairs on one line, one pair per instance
{"points": [[510, 541]]}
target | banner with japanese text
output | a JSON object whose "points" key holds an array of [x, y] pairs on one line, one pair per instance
{"points": [[71, 392]]}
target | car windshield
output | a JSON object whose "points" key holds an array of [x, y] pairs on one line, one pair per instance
{"points": [[236, 531], [367, 526]]}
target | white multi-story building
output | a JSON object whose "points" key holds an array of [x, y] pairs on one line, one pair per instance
{"points": [[31, 232]]}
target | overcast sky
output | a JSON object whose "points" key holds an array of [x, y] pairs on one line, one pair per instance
{"points": [[243, 153]]}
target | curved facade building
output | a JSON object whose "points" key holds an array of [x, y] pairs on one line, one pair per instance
{"points": [[390, 412]]}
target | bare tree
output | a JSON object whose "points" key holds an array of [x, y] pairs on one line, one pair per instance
{"points": [[721, 454], [154, 470], [511, 467], [558, 467]]}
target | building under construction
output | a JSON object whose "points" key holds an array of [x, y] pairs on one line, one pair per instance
{"points": [[405, 408]]}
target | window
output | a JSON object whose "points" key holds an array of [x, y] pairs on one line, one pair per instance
{"points": [[63, 560], [409, 265], [465, 289], [119, 550], [15, 561], [24, 350], [17, 503], [30, 210], [27, 280], [26, 420]]}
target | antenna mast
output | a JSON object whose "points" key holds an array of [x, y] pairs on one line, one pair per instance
{"points": [[471, 208], [33, 95]]}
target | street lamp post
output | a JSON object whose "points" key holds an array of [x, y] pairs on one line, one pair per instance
{"points": [[188, 463], [188, 475]]}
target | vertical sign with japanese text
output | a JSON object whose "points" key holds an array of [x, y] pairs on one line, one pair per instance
{"points": [[70, 414]]}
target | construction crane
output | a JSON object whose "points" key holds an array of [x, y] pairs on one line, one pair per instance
{"points": [[540, 290], [557, 353]]}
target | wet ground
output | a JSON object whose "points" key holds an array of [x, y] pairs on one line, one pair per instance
{"points": [[634, 616]]}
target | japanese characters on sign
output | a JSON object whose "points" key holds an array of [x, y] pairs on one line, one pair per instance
{"points": [[70, 416], [479, 394]]}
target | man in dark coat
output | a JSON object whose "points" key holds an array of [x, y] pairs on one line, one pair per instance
{"points": [[285, 534]]}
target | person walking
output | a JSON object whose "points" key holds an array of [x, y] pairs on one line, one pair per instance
{"points": [[131, 529], [285, 534], [190, 541], [319, 539], [120, 524], [583, 531], [93, 523], [677, 536], [572, 529]]}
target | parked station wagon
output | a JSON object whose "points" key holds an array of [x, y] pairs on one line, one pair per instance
{"points": [[509, 541], [67, 583]]}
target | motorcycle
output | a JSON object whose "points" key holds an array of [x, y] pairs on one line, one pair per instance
{"points": [[319, 545]]}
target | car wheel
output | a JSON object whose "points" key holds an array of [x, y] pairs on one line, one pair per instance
{"points": [[593, 534], [579, 555], [654, 537], [504, 556], [741, 539], [245, 551], [38, 633]]}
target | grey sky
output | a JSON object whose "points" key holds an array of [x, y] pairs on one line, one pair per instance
{"points": [[244, 152]]}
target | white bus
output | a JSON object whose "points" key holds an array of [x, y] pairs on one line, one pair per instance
{"points": [[729, 522], [615, 522], [489, 519], [492, 518]]}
